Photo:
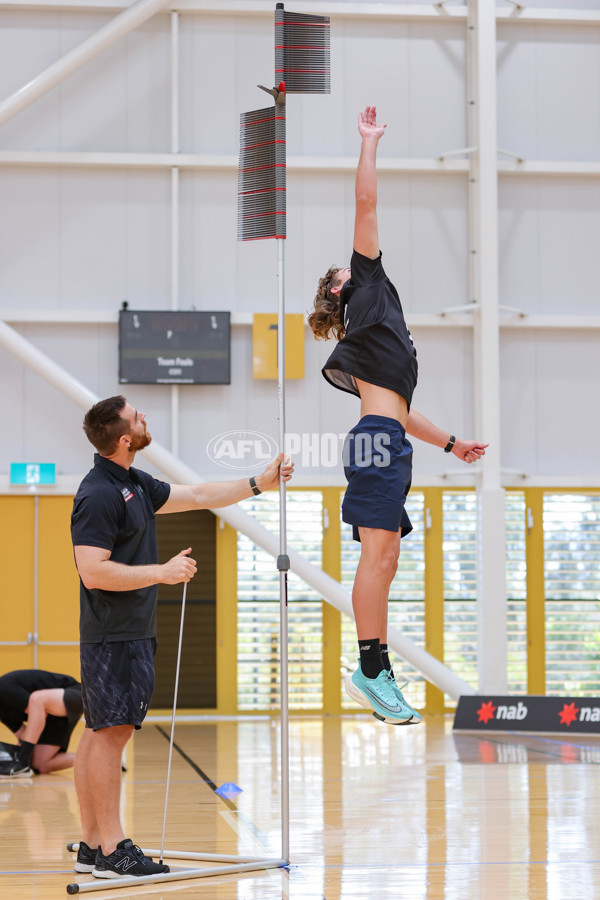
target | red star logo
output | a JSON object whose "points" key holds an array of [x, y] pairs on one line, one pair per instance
{"points": [[486, 712], [568, 714]]}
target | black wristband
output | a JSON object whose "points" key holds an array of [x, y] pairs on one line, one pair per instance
{"points": [[255, 490], [450, 444]]}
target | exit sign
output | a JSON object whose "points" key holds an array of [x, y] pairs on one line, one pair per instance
{"points": [[32, 473]]}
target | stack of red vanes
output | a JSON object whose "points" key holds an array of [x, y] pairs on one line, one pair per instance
{"points": [[302, 52]]}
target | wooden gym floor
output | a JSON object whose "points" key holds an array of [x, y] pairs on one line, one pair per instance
{"points": [[376, 812]]}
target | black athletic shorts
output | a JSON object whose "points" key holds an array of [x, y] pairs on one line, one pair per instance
{"points": [[378, 467], [117, 682], [58, 730]]}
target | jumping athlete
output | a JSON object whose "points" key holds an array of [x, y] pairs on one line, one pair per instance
{"points": [[114, 537], [375, 360]]}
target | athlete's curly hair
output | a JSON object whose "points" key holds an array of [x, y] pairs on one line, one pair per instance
{"points": [[325, 321]]}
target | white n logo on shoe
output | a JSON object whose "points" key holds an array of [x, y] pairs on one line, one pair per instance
{"points": [[125, 863]]}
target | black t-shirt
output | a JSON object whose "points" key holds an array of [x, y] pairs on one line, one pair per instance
{"points": [[377, 346], [16, 688], [114, 509]]}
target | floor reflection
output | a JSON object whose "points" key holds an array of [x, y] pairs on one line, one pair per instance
{"points": [[375, 811]]}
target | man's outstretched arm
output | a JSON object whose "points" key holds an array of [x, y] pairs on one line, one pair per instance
{"points": [[366, 237], [213, 495], [420, 427]]}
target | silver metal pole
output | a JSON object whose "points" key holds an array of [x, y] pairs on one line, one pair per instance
{"points": [[283, 564], [162, 840]]}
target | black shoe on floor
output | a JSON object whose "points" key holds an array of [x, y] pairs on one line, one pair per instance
{"points": [[14, 769], [86, 858], [127, 859]]}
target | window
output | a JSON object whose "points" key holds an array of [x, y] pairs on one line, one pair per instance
{"points": [[407, 596], [572, 579], [460, 587], [258, 608]]}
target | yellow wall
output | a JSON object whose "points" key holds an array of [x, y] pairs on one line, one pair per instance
{"points": [[58, 590], [58, 587], [17, 523]]}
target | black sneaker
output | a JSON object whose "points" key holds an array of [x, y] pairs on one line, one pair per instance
{"points": [[86, 857], [13, 768], [127, 859]]}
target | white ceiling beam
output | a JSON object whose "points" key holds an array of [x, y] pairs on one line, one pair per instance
{"points": [[530, 16], [339, 164], [380, 11], [40, 316], [224, 162], [347, 10]]}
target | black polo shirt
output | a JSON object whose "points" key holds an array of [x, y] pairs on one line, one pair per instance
{"points": [[114, 509], [377, 346]]}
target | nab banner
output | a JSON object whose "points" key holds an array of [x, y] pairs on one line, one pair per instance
{"points": [[560, 715]]}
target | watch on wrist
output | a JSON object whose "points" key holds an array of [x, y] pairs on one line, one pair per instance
{"points": [[450, 444], [255, 489]]}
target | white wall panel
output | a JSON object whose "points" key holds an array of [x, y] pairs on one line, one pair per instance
{"points": [[444, 393], [222, 61], [549, 236], [84, 239], [118, 101], [518, 398], [549, 403], [30, 215], [29, 43], [548, 84]]}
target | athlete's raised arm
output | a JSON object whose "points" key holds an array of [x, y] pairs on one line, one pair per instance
{"points": [[366, 237]]}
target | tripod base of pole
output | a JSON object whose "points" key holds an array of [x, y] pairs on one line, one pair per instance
{"points": [[229, 866]]}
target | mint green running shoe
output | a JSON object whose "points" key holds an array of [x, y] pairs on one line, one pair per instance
{"points": [[415, 716], [377, 695]]}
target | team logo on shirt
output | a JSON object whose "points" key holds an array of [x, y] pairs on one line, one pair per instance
{"points": [[126, 493]]}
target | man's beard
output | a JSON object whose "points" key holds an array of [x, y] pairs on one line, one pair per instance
{"points": [[139, 441]]}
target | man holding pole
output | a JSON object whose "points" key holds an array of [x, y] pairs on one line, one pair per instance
{"points": [[114, 538]]}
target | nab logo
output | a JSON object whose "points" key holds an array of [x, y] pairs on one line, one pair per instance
{"points": [[571, 713], [487, 711]]}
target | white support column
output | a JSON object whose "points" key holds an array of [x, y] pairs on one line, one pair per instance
{"points": [[75, 58], [175, 212], [483, 203]]}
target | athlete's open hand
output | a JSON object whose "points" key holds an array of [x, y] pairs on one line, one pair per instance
{"points": [[367, 124], [181, 568], [282, 467], [469, 451]]}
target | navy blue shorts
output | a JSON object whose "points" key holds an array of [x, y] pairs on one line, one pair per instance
{"points": [[117, 682], [378, 467]]}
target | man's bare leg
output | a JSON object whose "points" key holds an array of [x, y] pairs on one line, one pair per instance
{"points": [[48, 758], [98, 783], [89, 825]]}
